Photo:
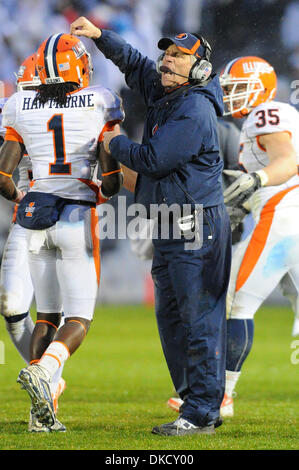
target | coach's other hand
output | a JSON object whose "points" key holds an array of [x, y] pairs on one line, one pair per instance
{"points": [[109, 135], [83, 27]]}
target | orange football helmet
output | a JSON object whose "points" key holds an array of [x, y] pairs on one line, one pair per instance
{"points": [[247, 82], [63, 58], [27, 75]]}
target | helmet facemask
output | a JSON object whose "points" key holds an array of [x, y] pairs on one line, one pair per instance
{"points": [[240, 94], [29, 85]]}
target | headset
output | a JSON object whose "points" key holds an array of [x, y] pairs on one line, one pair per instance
{"points": [[200, 70]]}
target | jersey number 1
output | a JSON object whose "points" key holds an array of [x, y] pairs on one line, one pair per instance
{"points": [[59, 167]]}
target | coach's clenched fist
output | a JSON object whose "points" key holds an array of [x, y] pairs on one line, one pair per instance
{"points": [[83, 27]]}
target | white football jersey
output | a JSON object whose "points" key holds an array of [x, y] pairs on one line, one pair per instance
{"points": [[62, 141], [267, 118]]}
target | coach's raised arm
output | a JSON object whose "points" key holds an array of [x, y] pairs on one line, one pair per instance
{"points": [[178, 163]]}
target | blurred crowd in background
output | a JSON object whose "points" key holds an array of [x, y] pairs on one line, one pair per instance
{"points": [[266, 28]]}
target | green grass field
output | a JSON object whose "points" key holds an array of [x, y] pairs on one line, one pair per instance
{"points": [[118, 386]]}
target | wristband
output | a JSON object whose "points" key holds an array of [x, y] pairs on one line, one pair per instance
{"points": [[112, 172], [263, 177]]}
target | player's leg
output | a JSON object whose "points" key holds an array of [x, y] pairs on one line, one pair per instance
{"points": [[16, 291], [290, 290], [35, 380], [259, 263], [48, 298], [78, 270]]}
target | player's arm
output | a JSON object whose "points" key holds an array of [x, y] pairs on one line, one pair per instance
{"points": [[282, 156], [282, 167], [112, 175], [10, 155]]}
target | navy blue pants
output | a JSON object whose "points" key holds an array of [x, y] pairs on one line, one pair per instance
{"points": [[190, 297]]}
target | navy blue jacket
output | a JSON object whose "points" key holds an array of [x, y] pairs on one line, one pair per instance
{"points": [[180, 144]]}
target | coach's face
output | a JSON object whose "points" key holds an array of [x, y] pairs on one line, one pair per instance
{"points": [[177, 62]]}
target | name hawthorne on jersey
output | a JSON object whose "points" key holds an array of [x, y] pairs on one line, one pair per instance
{"points": [[73, 101]]}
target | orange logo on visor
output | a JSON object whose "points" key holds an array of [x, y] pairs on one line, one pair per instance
{"points": [[181, 36]]}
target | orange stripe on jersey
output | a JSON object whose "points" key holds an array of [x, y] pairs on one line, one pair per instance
{"points": [[259, 237], [93, 186], [14, 216], [95, 242], [12, 135]]}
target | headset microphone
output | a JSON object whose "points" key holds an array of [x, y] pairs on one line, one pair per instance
{"points": [[165, 69]]}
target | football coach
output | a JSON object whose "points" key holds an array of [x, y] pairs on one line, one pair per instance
{"points": [[178, 162]]}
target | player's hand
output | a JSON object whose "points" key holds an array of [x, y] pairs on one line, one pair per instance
{"points": [[19, 197], [83, 27], [236, 215], [109, 135], [101, 199], [241, 190]]}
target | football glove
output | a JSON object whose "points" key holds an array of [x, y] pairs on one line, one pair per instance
{"points": [[101, 198], [241, 190], [236, 215]]}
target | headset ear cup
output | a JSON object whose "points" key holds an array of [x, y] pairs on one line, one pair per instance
{"points": [[201, 70], [159, 62]]}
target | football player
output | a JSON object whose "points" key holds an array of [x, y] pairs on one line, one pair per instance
{"points": [[61, 125], [268, 186], [16, 290]]}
